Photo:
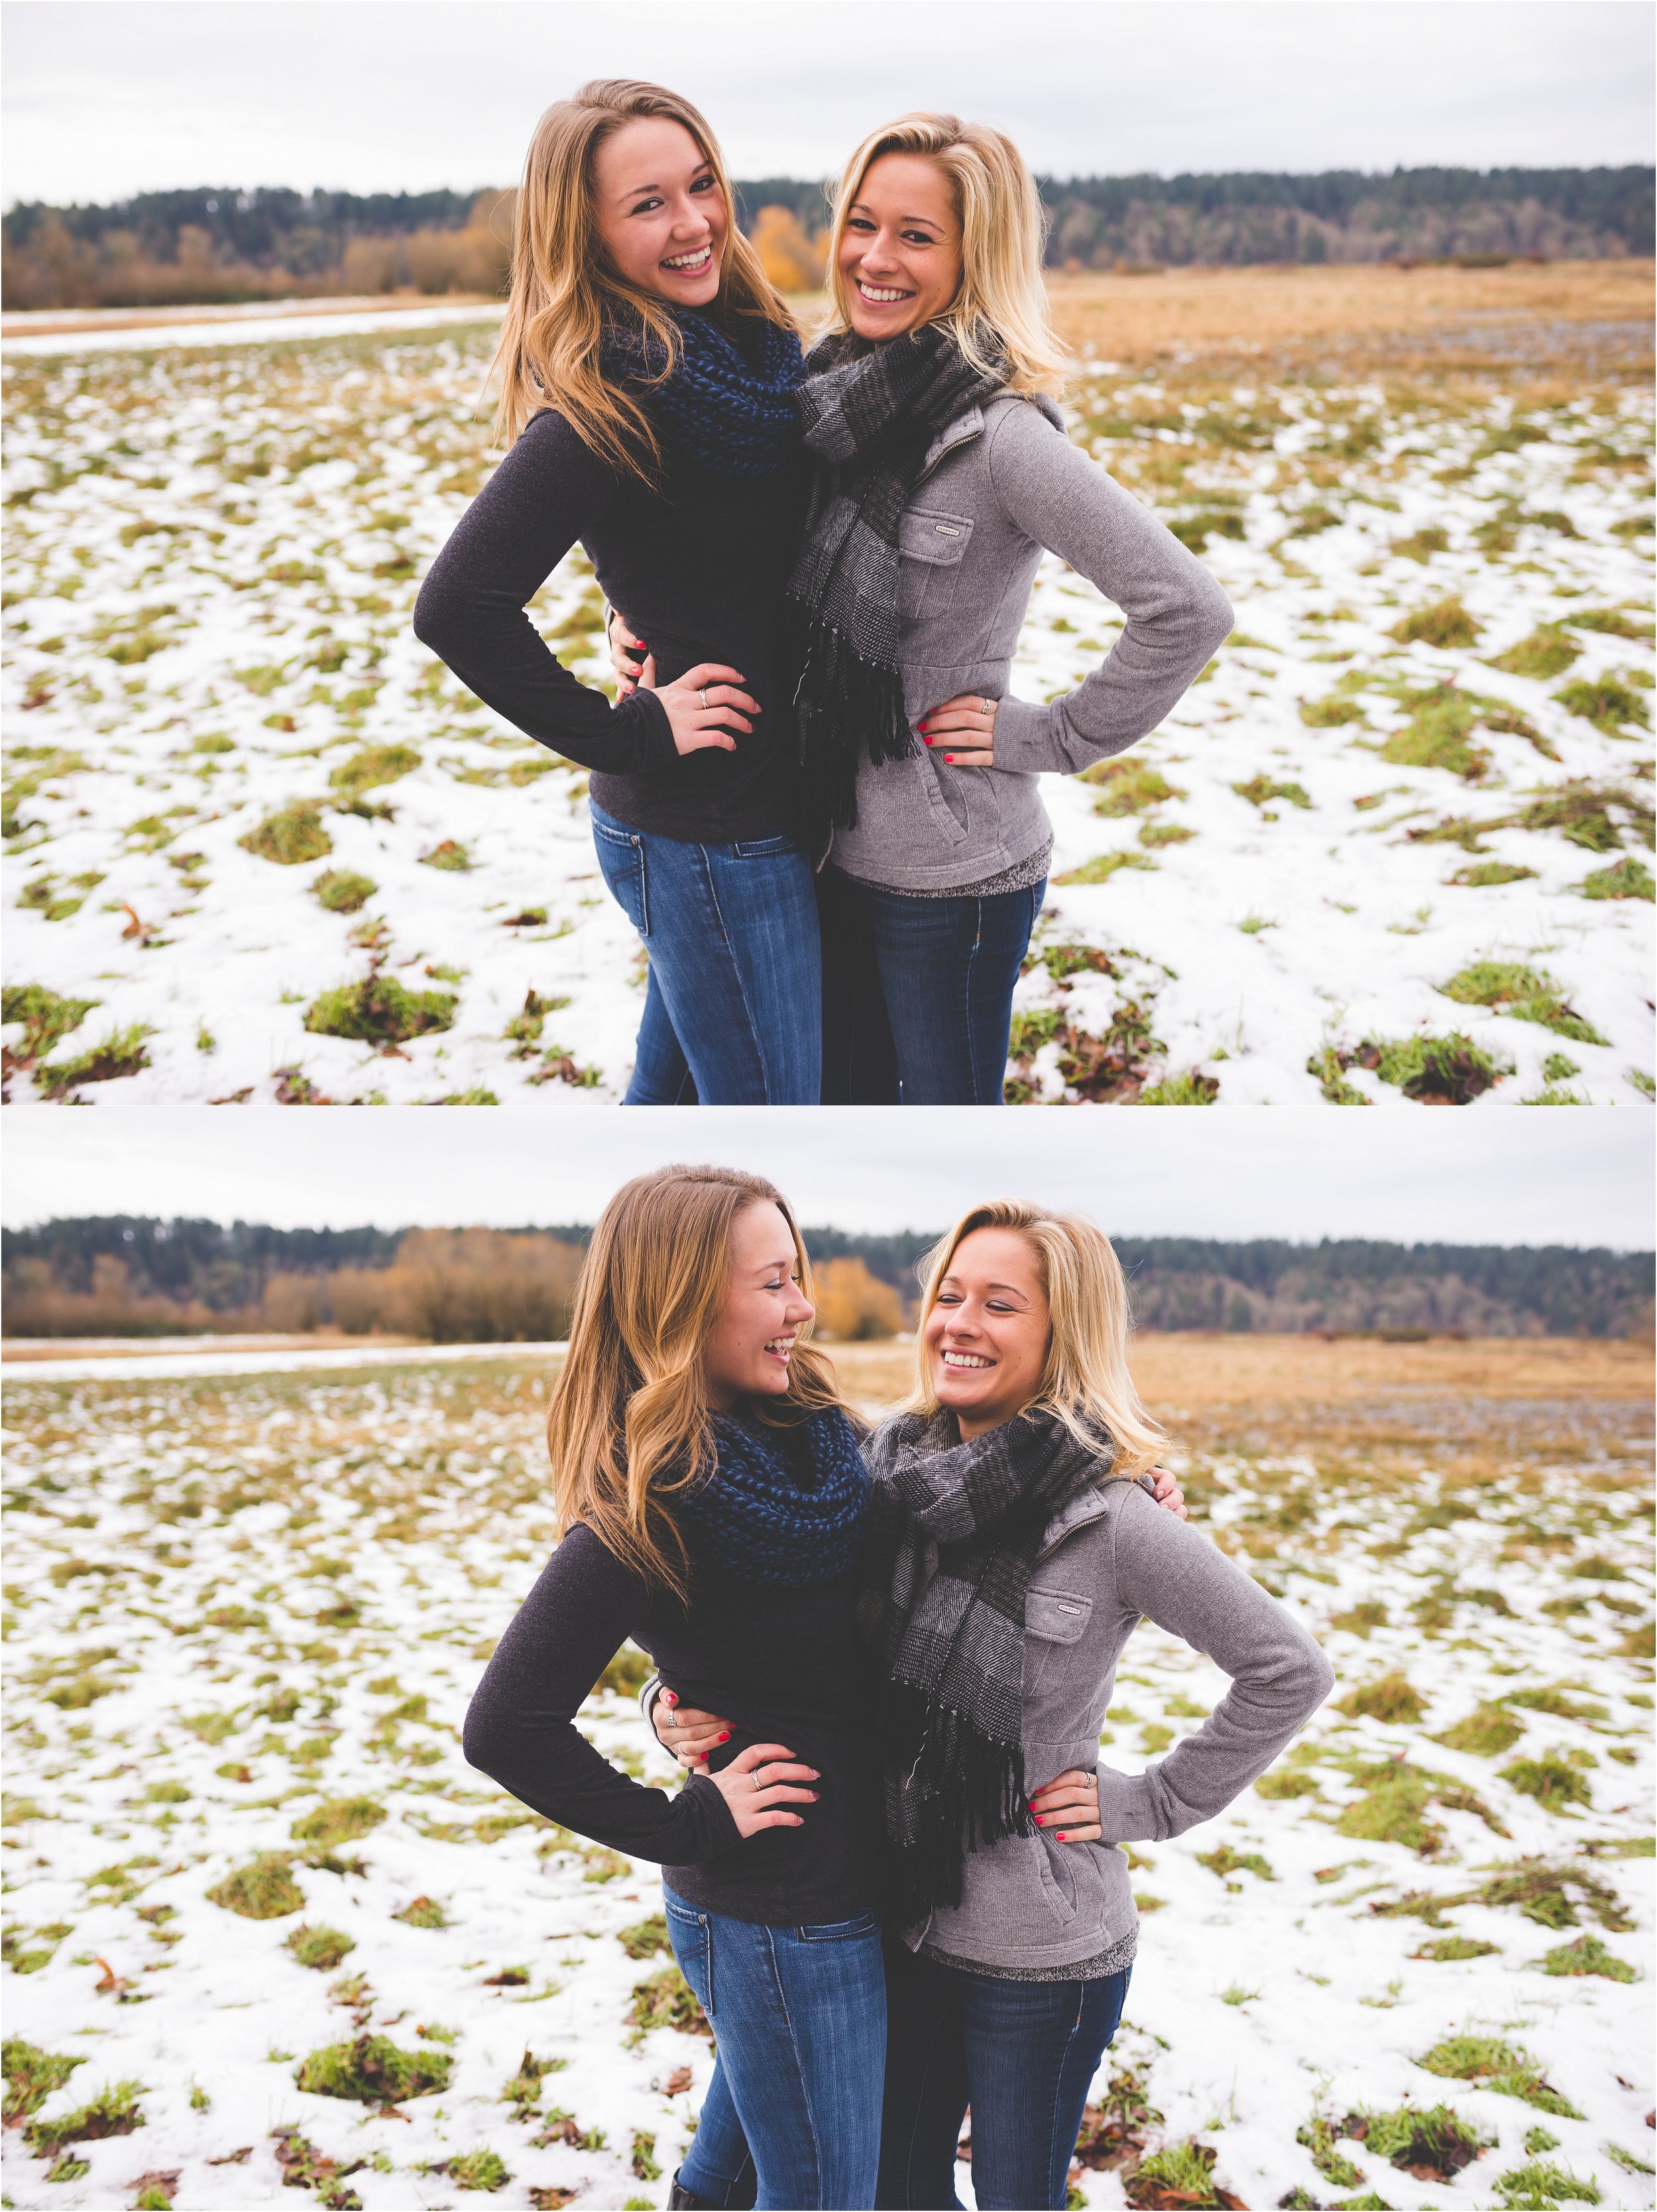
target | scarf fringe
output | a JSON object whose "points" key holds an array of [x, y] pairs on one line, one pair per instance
{"points": [[844, 706], [961, 1791]]}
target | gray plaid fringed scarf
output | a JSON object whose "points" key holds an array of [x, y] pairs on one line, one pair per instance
{"points": [[952, 1657], [869, 412]]}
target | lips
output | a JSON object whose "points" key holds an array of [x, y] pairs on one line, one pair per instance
{"points": [[881, 295], [967, 1361], [780, 1346]]}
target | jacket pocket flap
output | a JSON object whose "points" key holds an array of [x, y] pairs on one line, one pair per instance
{"points": [[927, 533], [1055, 1615]]}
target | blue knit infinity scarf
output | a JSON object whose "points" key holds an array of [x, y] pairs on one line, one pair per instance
{"points": [[731, 411], [784, 1507]]}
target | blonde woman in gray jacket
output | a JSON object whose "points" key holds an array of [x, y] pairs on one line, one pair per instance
{"points": [[1011, 1554], [941, 473]]}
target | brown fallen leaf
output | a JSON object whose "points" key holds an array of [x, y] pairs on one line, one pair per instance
{"points": [[165, 2184], [109, 1983], [233, 2157], [134, 926], [676, 2082]]}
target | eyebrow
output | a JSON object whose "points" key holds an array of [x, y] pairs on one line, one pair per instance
{"points": [[1013, 1287], [927, 220], [632, 190]]}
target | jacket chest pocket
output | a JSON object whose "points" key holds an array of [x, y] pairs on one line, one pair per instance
{"points": [[930, 542], [1054, 1619]]}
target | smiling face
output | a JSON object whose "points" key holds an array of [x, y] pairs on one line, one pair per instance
{"points": [[987, 1335], [899, 254], [660, 210], [747, 1353]]}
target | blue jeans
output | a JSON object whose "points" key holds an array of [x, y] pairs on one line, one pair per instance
{"points": [[800, 2018], [1020, 2054], [731, 1009], [917, 993]]}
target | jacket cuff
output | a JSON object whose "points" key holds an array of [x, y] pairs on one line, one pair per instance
{"points": [[1024, 735], [655, 731], [647, 1698], [1127, 1809]]}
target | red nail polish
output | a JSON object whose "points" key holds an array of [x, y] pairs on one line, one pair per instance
{"points": [[725, 1738], [949, 758]]}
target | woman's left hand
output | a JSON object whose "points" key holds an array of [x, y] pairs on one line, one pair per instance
{"points": [[1068, 1806], [963, 731], [1169, 1495]]}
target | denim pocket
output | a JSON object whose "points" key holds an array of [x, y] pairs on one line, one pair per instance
{"points": [[692, 1939], [840, 1931], [763, 848], [621, 863]]}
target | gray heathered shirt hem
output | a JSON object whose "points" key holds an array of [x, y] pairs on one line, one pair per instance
{"points": [[1116, 1961], [1022, 876]]}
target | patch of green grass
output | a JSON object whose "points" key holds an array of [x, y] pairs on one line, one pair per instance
{"points": [[1556, 1698], [112, 2112], [1529, 2188], [1581, 812], [1439, 735], [1325, 1065], [1318, 2135], [646, 1937], [1194, 530], [379, 1010], [1587, 1955], [46, 1016], [1626, 878], [373, 2070], [123, 1053], [373, 765], [478, 2169], [1330, 712], [667, 2000], [1260, 791], [1448, 1948], [290, 837], [1487, 1732], [449, 854], [69, 2169], [1393, 1807], [1436, 2138], [31, 2075], [1527, 994], [1103, 867], [1391, 1697], [643, 2159], [1128, 786], [1236, 1994], [1486, 873], [522, 2091], [320, 1947], [1223, 1861], [342, 891], [1153, 835], [1607, 704], [1501, 2067], [1445, 622], [1193, 1088], [1550, 1780], [1423, 544], [1275, 1786], [1447, 1071], [1547, 652], [339, 1820], [265, 1889], [1179, 2173]]}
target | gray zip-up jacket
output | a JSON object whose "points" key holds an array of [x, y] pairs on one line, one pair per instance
{"points": [[1108, 1557], [998, 486]]}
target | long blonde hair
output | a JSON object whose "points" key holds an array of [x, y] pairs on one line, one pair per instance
{"points": [[1086, 1383], [629, 1426], [563, 290], [1003, 231]]}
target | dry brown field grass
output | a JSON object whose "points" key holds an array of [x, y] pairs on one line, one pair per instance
{"points": [[1136, 318]]}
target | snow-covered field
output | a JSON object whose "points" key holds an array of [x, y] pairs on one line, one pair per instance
{"points": [[246, 1612], [230, 756]]}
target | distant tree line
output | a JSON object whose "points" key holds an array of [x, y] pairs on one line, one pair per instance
{"points": [[210, 244], [121, 1275]]}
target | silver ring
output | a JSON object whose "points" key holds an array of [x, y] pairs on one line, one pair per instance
{"points": [[701, 701], [672, 1720], [988, 706]]}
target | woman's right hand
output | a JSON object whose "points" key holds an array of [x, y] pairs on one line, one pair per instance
{"points": [[702, 705], [685, 1730], [626, 653], [755, 1787]]}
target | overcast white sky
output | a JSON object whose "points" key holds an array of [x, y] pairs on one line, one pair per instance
{"points": [[1581, 1178], [103, 98]]}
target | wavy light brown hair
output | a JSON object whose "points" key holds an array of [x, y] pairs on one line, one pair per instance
{"points": [[1003, 233], [563, 289], [1086, 1383], [629, 1426]]}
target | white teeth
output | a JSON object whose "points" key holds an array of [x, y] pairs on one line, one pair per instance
{"points": [[884, 298], [965, 1359], [690, 260]]}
